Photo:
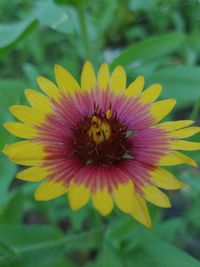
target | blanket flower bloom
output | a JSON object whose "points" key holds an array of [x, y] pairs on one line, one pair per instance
{"points": [[100, 141]]}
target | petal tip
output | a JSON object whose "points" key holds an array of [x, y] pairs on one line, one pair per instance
{"points": [[6, 125], [141, 77], [12, 108], [87, 63], [5, 150], [57, 68], [27, 92], [194, 164], [120, 68], [167, 204], [39, 79], [148, 224], [173, 102]]}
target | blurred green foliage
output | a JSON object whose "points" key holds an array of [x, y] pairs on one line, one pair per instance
{"points": [[157, 38]]}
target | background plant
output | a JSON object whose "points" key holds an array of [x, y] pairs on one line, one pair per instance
{"points": [[159, 39]]}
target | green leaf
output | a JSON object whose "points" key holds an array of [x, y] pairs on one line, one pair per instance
{"points": [[7, 173], [28, 237], [10, 34], [71, 2], [7, 169], [109, 257], [154, 252], [181, 83], [65, 262], [168, 229], [150, 48], [5, 249], [11, 92], [12, 213], [78, 218], [61, 19], [41, 245], [31, 245], [124, 229]]}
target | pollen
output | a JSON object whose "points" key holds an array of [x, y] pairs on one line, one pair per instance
{"points": [[100, 130], [101, 138]]}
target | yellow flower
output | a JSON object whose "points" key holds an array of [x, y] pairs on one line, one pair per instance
{"points": [[100, 141]]}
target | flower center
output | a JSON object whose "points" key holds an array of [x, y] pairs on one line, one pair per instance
{"points": [[101, 139], [100, 130]]}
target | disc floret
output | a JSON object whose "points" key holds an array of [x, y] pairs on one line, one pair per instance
{"points": [[101, 138]]}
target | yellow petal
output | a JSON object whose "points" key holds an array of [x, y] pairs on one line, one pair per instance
{"points": [[175, 125], [48, 87], [124, 196], [25, 150], [102, 201], [118, 80], [164, 179], [184, 145], [176, 158], [162, 108], [66, 81], [126, 199], [38, 101], [151, 93], [33, 174], [136, 87], [184, 133], [27, 162], [78, 195], [155, 196], [20, 130], [103, 76], [147, 219], [88, 77], [49, 190], [27, 114]]}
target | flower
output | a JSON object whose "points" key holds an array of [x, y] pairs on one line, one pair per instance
{"points": [[100, 141]]}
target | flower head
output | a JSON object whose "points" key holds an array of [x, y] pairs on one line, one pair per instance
{"points": [[99, 141]]}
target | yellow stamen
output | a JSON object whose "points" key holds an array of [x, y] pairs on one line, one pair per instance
{"points": [[108, 114], [100, 130]]}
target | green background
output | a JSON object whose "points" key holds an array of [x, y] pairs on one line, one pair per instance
{"points": [[159, 39]]}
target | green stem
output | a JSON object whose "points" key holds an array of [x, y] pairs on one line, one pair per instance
{"points": [[87, 240], [83, 29], [195, 111]]}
